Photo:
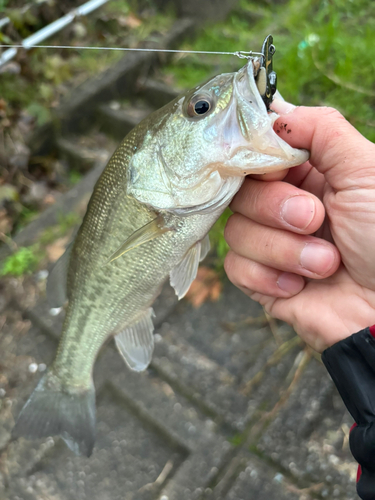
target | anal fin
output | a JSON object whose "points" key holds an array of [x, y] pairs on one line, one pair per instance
{"points": [[136, 342]]}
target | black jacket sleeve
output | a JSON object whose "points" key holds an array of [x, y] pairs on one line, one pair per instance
{"points": [[351, 364]]}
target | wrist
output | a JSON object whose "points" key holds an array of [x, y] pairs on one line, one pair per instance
{"points": [[336, 337], [321, 342]]}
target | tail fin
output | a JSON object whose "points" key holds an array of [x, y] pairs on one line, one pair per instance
{"points": [[53, 410]]}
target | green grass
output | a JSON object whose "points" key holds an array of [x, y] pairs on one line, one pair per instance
{"points": [[26, 259], [26, 216], [74, 177], [23, 261], [217, 239], [238, 439]]}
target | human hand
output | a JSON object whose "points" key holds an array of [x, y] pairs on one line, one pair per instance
{"points": [[286, 237]]}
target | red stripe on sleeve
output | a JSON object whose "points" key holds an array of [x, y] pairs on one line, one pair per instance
{"points": [[359, 473]]}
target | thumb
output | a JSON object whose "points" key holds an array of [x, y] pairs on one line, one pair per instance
{"points": [[338, 150]]}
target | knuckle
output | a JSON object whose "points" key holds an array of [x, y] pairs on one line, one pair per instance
{"points": [[257, 201], [267, 203], [229, 262], [237, 271], [242, 198], [332, 132], [332, 113], [334, 124], [269, 246], [245, 279]]}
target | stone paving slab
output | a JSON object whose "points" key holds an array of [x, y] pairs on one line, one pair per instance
{"points": [[22, 350], [155, 92], [256, 482], [198, 356], [308, 437], [127, 458], [80, 158], [118, 122]]}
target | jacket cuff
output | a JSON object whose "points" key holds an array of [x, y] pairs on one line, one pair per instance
{"points": [[351, 364]]}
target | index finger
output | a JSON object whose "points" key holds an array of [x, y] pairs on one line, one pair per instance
{"points": [[337, 149], [271, 176]]}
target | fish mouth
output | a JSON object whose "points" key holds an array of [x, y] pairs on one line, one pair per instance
{"points": [[249, 138]]}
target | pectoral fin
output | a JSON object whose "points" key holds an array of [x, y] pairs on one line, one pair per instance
{"points": [[136, 342], [57, 280], [182, 276], [146, 233], [205, 247]]}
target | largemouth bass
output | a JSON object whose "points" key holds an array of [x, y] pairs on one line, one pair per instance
{"points": [[147, 221]]}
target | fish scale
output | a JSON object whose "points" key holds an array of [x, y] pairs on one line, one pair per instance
{"points": [[147, 220]]}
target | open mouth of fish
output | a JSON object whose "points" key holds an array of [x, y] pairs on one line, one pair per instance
{"points": [[247, 135]]}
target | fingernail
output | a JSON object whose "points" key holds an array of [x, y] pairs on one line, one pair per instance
{"points": [[317, 258], [282, 107], [298, 211], [290, 283]]}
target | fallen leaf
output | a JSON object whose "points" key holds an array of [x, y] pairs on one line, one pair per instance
{"points": [[5, 222], [129, 21], [57, 248], [206, 286], [49, 199]]}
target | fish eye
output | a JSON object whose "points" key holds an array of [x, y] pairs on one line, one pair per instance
{"points": [[199, 106]]}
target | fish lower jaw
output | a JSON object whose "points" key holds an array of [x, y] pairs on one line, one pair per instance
{"points": [[247, 161]]}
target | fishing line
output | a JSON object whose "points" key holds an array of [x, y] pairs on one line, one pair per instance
{"points": [[239, 53]]}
